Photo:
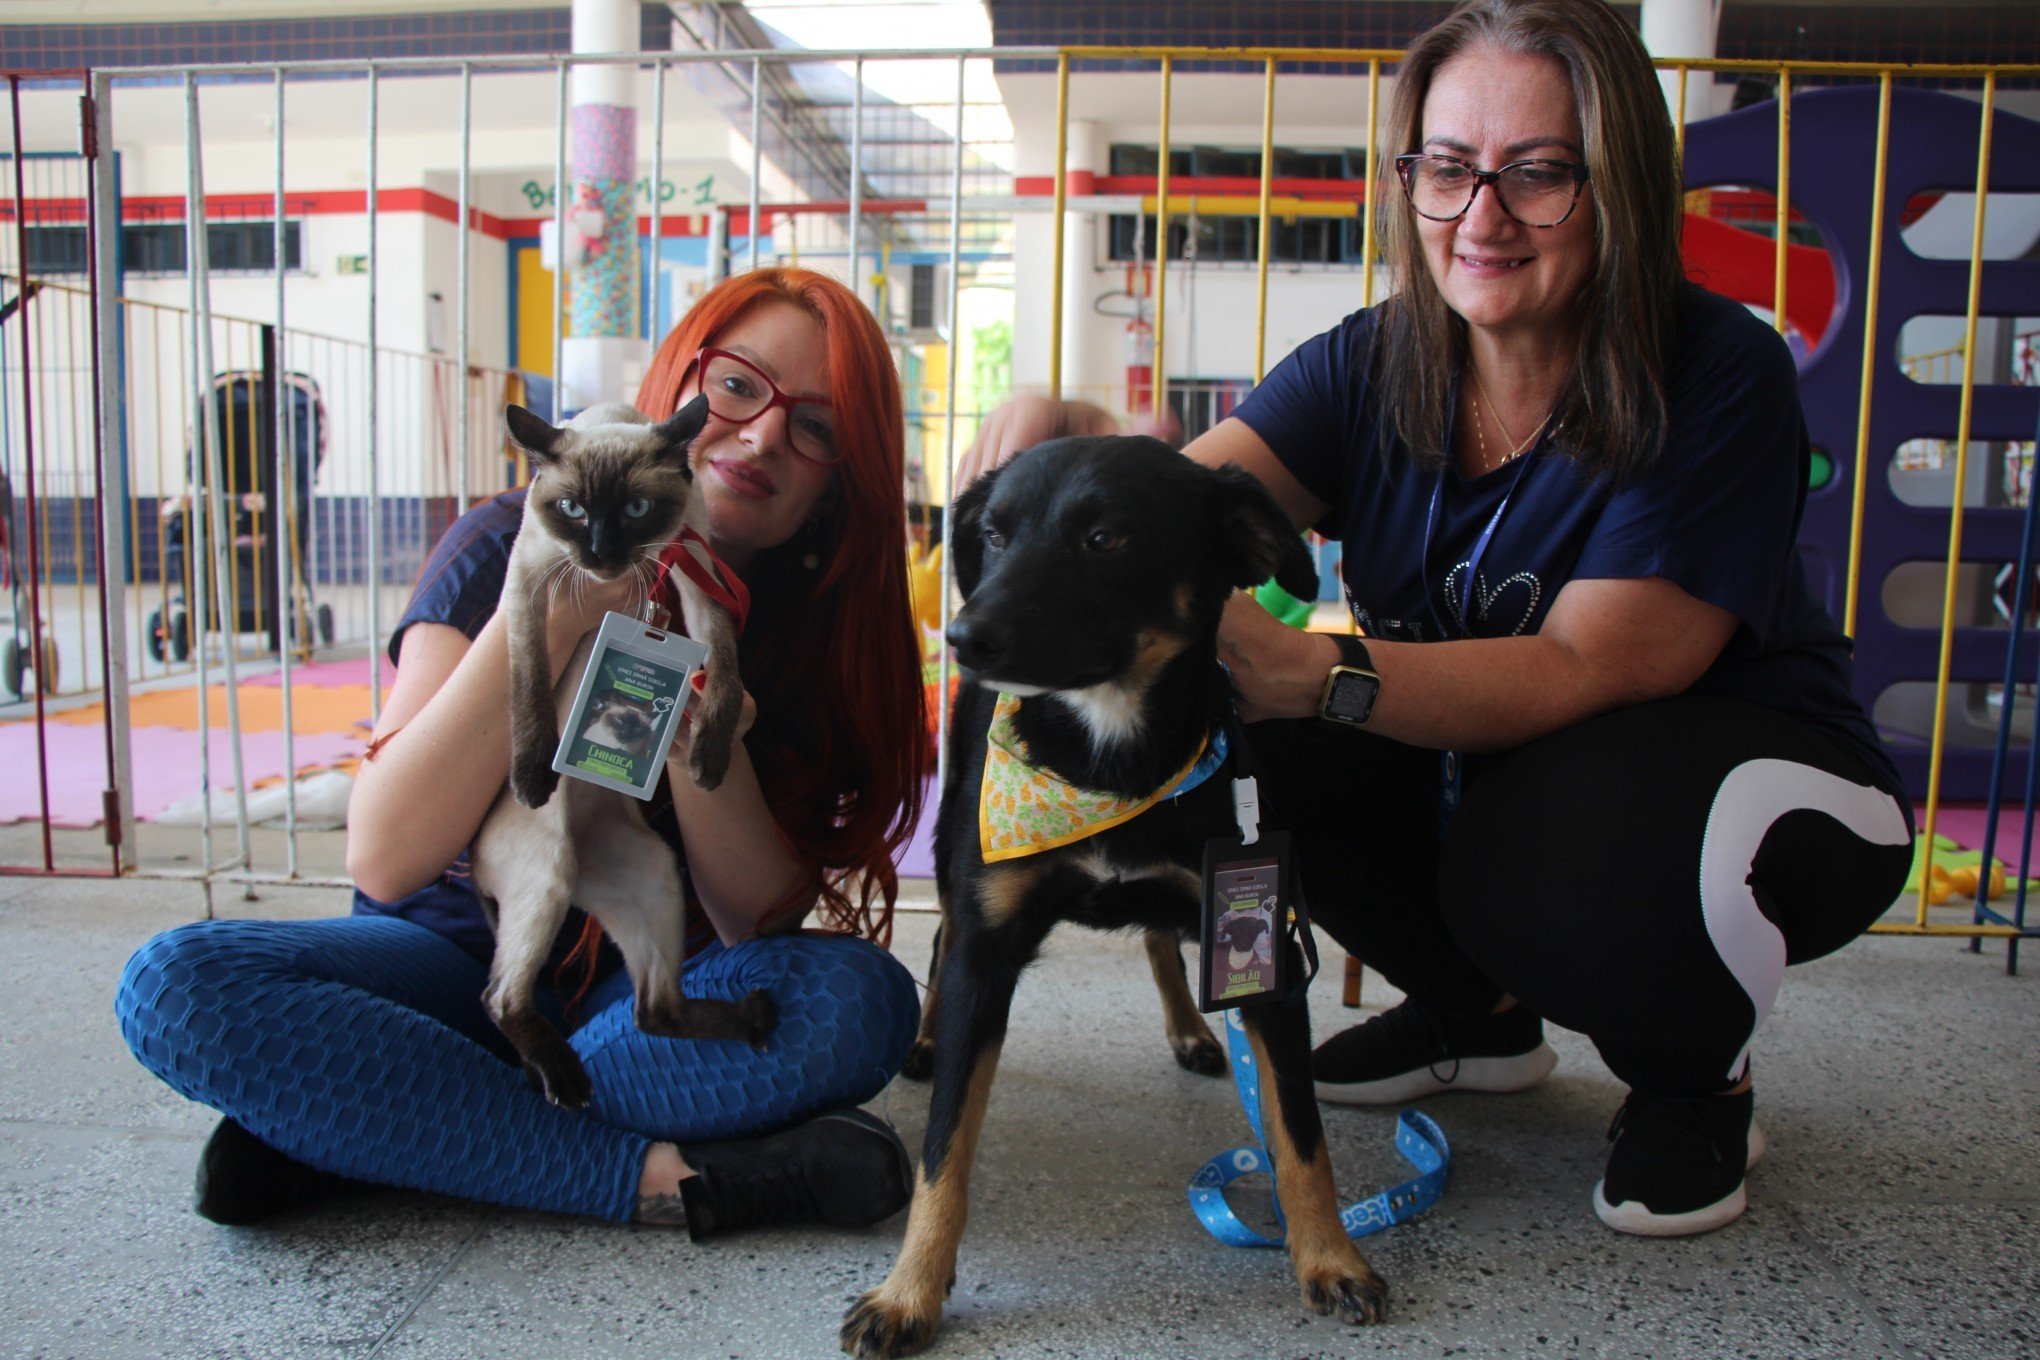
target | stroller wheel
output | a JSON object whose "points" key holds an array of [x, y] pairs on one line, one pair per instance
{"points": [[153, 636], [10, 666], [180, 636], [325, 625]]}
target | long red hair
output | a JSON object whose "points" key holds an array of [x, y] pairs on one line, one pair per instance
{"points": [[831, 655]]}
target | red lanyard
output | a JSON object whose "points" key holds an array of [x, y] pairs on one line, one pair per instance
{"points": [[714, 576]]}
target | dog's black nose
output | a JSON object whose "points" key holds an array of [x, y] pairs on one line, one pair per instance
{"points": [[980, 643]]}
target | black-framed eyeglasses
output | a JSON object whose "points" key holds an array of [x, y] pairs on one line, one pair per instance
{"points": [[739, 392], [1537, 193]]}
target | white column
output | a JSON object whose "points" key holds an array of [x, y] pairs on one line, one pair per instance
{"points": [[1085, 368], [1683, 28]]}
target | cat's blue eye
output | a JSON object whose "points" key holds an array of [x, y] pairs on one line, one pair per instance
{"points": [[572, 508], [638, 507]]}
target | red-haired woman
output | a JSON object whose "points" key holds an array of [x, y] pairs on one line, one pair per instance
{"points": [[356, 1049]]}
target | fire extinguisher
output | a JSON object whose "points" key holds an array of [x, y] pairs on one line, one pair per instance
{"points": [[1140, 366], [1140, 347]]}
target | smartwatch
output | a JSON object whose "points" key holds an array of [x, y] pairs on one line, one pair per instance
{"points": [[1351, 687]]}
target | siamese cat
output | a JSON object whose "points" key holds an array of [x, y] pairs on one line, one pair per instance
{"points": [[608, 492]]}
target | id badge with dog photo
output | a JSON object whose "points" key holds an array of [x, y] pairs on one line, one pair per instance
{"points": [[1240, 958], [627, 710]]}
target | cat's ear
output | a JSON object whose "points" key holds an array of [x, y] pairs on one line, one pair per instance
{"points": [[678, 430], [532, 434]]}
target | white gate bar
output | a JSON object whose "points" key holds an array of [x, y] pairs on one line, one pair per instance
{"points": [[857, 182], [658, 183], [283, 522], [460, 294], [559, 289], [757, 149], [113, 497], [208, 513], [374, 404], [949, 431]]}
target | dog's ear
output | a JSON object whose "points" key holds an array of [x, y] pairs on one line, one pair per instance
{"points": [[532, 433], [1257, 538], [677, 432], [966, 532]]}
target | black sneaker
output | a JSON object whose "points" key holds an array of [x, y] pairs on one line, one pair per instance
{"points": [[1676, 1163], [846, 1168], [1417, 1050], [243, 1180]]}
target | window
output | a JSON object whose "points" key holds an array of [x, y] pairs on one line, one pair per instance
{"points": [[56, 250], [158, 248], [921, 298], [1237, 238]]}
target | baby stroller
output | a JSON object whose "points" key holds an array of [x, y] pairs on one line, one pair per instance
{"points": [[259, 523], [17, 653]]}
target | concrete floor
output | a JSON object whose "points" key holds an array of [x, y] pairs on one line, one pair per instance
{"points": [[1896, 1214]]}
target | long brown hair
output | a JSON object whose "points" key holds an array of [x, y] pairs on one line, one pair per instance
{"points": [[1612, 405], [831, 655]]}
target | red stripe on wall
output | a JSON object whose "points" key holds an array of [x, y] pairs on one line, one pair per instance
{"points": [[338, 202]]}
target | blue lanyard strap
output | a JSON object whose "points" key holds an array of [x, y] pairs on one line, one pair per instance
{"points": [[1417, 1137], [1480, 547]]}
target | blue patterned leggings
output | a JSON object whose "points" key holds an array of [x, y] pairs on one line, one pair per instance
{"points": [[359, 1045]]}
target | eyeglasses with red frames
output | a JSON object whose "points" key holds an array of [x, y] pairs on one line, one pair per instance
{"points": [[739, 392]]}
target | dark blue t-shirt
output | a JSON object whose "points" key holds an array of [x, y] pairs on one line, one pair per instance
{"points": [[459, 586], [1717, 515]]}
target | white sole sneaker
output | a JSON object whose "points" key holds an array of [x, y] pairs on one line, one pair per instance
{"points": [[1516, 1073], [1631, 1216]]}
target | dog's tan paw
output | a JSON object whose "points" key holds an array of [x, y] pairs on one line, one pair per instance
{"points": [[1358, 1295], [876, 1329]]}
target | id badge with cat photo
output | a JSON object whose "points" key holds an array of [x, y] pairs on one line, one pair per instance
{"points": [[627, 710], [1244, 923]]}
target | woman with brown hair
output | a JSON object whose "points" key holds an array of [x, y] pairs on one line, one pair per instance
{"points": [[357, 1049], [1568, 485]]}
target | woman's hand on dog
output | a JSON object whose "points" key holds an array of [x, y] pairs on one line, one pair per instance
{"points": [[1022, 423], [1279, 671], [1026, 421]]}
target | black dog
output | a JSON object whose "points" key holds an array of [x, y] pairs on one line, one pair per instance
{"points": [[1094, 572]]}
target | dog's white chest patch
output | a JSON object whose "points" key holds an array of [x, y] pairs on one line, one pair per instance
{"points": [[1110, 712]]}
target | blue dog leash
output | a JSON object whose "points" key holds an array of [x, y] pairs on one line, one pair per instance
{"points": [[1417, 1137]]}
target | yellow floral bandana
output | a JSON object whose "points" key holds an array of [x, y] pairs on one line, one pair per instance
{"points": [[1023, 809]]}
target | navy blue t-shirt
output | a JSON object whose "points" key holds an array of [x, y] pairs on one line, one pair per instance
{"points": [[459, 586], [1717, 515]]}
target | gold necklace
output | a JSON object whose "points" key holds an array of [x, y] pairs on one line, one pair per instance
{"points": [[1518, 446]]}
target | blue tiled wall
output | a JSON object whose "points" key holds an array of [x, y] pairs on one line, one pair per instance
{"points": [[30, 47], [1967, 34]]}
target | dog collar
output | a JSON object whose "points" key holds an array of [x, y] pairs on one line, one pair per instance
{"points": [[1024, 809]]}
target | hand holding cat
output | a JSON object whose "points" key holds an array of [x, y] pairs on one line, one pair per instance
{"points": [[579, 608]]}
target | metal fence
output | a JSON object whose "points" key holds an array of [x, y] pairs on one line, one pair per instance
{"points": [[209, 489]]}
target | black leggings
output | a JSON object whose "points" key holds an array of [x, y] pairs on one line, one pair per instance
{"points": [[1642, 877]]}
